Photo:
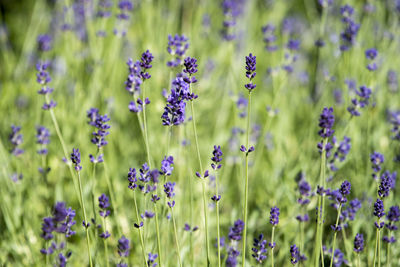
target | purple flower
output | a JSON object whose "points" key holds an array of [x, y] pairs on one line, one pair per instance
{"points": [[216, 158], [100, 122], [269, 37], [124, 6], [377, 159], [259, 249], [177, 47], [379, 212], [43, 139], [76, 159], [16, 140], [145, 64], [166, 166], [326, 121], [232, 9], [371, 53], [274, 216], [132, 178], [359, 243], [61, 221], [394, 119], [43, 78], [293, 44], [294, 254], [235, 232], [169, 191], [44, 42], [123, 247], [190, 65], [134, 80], [104, 204], [364, 95], [151, 260], [250, 71]]}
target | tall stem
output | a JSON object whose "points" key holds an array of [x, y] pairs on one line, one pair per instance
{"points": [[158, 235], [320, 211], [272, 249], [217, 207], [176, 238], [203, 183], [334, 235], [146, 138], [388, 262], [60, 137], [246, 184], [84, 217], [105, 243], [140, 230]]}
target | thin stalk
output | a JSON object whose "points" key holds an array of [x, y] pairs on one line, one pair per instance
{"points": [[140, 231], [246, 184], [146, 138], [158, 235], [320, 211], [203, 183], [388, 262], [64, 147], [105, 243], [358, 260], [348, 249], [217, 207], [272, 249], [379, 248], [334, 235], [176, 239], [84, 217]]}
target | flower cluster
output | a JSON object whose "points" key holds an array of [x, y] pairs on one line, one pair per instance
{"points": [[388, 181], [259, 249], [123, 250], [351, 28], [269, 37], [44, 42], [177, 46], [169, 191], [43, 139], [377, 159], [151, 260], [16, 139], [235, 235], [250, 71], [166, 166], [294, 254], [371, 54], [304, 199], [43, 78], [232, 9], [76, 159], [104, 212], [61, 221], [358, 243], [340, 154], [190, 68], [274, 216], [100, 122], [393, 216], [379, 212], [364, 95]]}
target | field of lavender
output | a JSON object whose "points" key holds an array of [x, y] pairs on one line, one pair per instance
{"points": [[199, 133]]}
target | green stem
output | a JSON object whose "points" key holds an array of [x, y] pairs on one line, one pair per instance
{"points": [[158, 235], [272, 249], [388, 251], [84, 217], [334, 235], [379, 248], [140, 231], [320, 211], [217, 207], [358, 260], [64, 147], [146, 138], [246, 184], [105, 243], [176, 239], [203, 185]]}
